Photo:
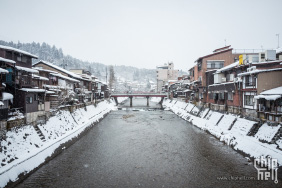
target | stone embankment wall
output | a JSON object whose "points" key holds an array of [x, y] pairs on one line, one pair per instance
{"points": [[253, 138], [26, 147]]}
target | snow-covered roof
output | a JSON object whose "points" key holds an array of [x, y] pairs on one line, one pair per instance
{"points": [[50, 92], [266, 62], [274, 91], [7, 96], [224, 83], [52, 86], [268, 97], [228, 67], [1, 103], [40, 77], [26, 69], [59, 68], [211, 70], [43, 70], [258, 71], [278, 50], [7, 60], [3, 71], [64, 77], [162, 66], [19, 51], [187, 90], [33, 90], [172, 80]]}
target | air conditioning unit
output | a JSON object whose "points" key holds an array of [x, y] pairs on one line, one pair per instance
{"points": [[223, 79], [251, 68]]}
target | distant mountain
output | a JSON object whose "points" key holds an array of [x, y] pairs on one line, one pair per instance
{"points": [[54, 55]]}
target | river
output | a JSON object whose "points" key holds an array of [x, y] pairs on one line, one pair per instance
{"points": [[146, 147]]}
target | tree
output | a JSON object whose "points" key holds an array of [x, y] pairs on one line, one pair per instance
{"points": [[112, 78]]}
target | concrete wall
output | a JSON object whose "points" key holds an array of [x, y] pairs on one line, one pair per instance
{"points": [[33, 116], [269, 80]]}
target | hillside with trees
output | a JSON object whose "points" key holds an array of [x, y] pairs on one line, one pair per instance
{"points": [[56, 56]]}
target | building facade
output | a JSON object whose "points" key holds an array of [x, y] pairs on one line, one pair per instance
{"points": [[165, 73]]}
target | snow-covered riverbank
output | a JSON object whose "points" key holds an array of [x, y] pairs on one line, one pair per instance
{"points": [[231, 129], [24, 149]]}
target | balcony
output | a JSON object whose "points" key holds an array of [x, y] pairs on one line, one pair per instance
{"points": [[250, 84]]}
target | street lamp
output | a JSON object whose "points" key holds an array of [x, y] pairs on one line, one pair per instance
{"points": [[278, 39]]}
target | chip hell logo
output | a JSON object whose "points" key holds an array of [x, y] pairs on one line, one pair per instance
{"points": [[267, 168]]}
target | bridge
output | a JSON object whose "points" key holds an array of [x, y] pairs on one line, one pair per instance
{"points": [[131, 95]]}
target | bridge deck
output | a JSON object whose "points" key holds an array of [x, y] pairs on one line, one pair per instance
{"points": [[138, 95]]}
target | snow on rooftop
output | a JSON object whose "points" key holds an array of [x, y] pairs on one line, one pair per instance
{"points": [[228, 67], [7, 60], [33, 90], [266, 62], [43, 70], [7, 96], [274, 91], [40, 77], [3, 71], [268, 97], [187, 90], [278, 50], [64, 77], [258, 71], [26, 69], [17, 50], [59, 68]]}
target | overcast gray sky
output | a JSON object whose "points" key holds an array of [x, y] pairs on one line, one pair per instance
{"points": [[143, 33]]}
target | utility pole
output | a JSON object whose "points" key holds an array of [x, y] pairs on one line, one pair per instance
{"points": [[278, 39], [106, 74], [225, 42]]}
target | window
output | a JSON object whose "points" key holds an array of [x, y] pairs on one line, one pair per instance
{"points": [[28, 100], [24, 59], [19, 58], [199, 65], [35, 97], [215, 96], [230, 77], [215, 64], [230, 96], [221, 96], [250, 81], [249, 100]]}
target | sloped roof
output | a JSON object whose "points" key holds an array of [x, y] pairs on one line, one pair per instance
{"points": [[17, 50], [215, 53], [3, 71], [7, 60], [259, 71], [228, 67], [274, 91], [60, 69], [26, 69]]}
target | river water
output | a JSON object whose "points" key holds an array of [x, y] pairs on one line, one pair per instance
{"points": [[146, 147]]}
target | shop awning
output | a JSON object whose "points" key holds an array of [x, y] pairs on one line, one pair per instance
{"points": [[268, 97]]}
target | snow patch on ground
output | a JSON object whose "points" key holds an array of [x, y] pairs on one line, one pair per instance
{"points": [[266, 132]]}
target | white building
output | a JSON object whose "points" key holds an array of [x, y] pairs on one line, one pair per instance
{"points": [[165, 73]]}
